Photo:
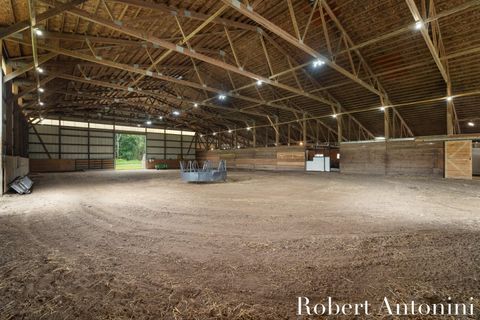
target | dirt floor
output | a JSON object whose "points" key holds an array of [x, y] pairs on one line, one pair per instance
{"points": [[144, 245]]}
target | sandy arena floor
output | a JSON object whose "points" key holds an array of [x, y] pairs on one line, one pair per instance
{"points": [[144, 245]]}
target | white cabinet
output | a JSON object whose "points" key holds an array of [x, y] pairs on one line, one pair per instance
{"points": [[319, 163]]}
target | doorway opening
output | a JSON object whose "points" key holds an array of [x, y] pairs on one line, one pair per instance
{"points": [[130, 151]]}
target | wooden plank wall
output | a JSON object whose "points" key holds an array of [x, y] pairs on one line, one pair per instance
{"points": [[458, 159], [275, 158], [52, 165], [67, 165], [393, 158]]}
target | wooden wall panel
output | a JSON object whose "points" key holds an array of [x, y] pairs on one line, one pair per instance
{"points": [[52, 165], [458, 159], [366, 158], [393, 158], [281, 158], [415, 158]]}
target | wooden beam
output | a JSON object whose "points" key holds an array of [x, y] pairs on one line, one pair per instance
{"points": [[426, 36], [183, 41], [23, 25], [147, 92], [195, 15], [29, 67], [191, 53], [133, 69], [296, 42], [365, 66]]}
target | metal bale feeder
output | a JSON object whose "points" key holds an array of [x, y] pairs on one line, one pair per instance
{"points": [[192, 172]]}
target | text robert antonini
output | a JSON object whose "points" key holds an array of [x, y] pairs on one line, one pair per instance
{"points": [[328, 307]]}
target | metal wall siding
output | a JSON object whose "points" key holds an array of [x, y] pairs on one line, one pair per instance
{"points": [[85, 143]]}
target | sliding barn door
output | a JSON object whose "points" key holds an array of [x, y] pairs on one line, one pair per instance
{"points": [[458, 159]]}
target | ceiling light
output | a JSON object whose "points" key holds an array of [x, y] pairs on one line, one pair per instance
{"points": [[317, 63], [160, 117], [195, 105], [38, 32], [201, 136], [176, 113], [259, 82], [379, 138], [41, 90], [138, 125], [222, 97], [40, 70], [248, 128], [471, 124], [418, 25], [450, 98], [334, 115], [382, 108], [300, 143], [214, 133], [229, 131], [148, 122], [41, 103]]}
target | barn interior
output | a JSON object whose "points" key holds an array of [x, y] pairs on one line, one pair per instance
{"points": [[350, 131]]}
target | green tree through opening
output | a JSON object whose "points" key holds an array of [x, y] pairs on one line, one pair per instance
{"points": [[130, 151]]}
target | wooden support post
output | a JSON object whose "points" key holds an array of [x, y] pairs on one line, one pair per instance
{"points": [[289, 131], [277, 133], [164, 144], [88, 144], [114, 140], [266, 137], [339, 129], [304, 125], [450, 113], [236, 137], [60, 138], [254, 136], [386, 123], [181, 144]]}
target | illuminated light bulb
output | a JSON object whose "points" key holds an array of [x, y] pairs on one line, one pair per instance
{"points": [[318, 63], [471, 124], [259, 82], [418, 25]]}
